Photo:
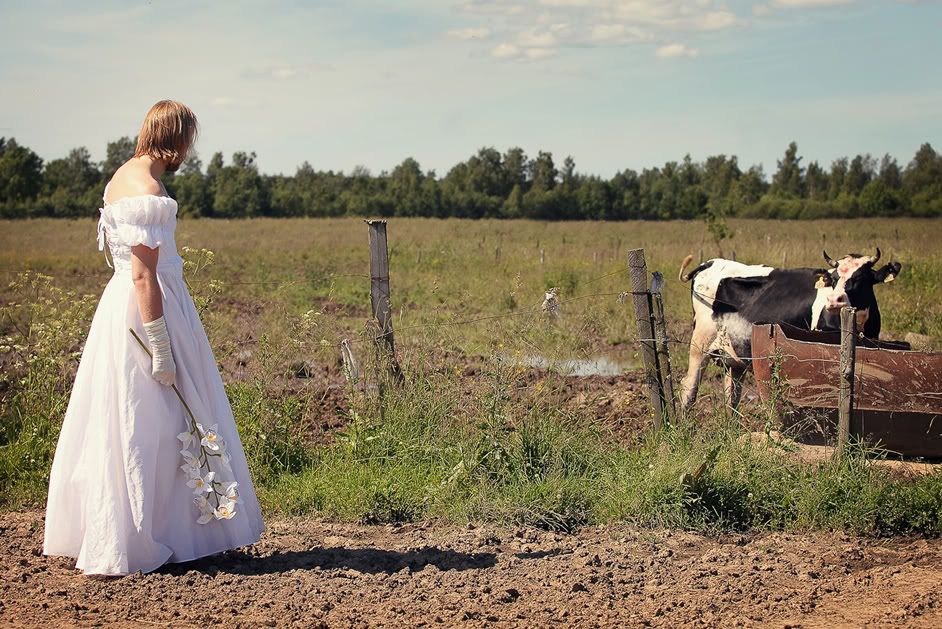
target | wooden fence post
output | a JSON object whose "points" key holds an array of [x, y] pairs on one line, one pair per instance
{"points": [[659, 319], [848, 358], [642, 300], [379, 296]]}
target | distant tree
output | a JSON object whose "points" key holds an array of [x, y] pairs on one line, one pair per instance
{"points": [[748, 189], [485, 174], [543, 171], [569, 179], [878, 199], [592, 199], [20, 175], [626, 195], [406, 189], [190, 188], [72, 185], [816, 182], [116, 154], [859, 173], [513, 206], [837, 177], [922, 182], [890, 173], [238, 190], [788, 181], [515, 167]]}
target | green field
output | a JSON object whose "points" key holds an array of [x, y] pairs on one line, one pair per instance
{"points": [[475, 432]]}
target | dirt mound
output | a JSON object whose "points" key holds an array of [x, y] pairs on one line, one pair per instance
{"points": [[309, 573]]}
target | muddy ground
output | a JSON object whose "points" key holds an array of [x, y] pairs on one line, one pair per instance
{"points": [[308, 573]]}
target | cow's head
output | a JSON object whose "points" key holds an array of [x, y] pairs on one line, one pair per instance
{"points": [[852, 278]]}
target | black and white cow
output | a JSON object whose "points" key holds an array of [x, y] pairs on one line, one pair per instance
{"points": [[729, 297]]}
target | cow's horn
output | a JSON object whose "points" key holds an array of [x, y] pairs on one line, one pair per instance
{"points": [[876, 258], [828, 259]]}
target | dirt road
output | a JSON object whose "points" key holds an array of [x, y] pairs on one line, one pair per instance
{"points": [[309, 573]]}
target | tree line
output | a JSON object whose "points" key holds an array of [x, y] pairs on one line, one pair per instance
{"points": [[491, 184]]}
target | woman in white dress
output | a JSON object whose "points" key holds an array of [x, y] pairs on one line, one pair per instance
{"points": [[141, 478]]}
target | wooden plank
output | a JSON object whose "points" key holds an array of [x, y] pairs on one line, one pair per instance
{"points": [[848, 358], [379, 295], [663, 348], [642, 300]]}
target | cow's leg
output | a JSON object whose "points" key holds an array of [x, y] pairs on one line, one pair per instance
{"points": [[696, 362], [732, 383]]}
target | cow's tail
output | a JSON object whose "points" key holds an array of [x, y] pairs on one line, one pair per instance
{"points": [[683, 267], [686, 277]]}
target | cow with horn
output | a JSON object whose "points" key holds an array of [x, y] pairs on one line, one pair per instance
{"points": [[729, 297]]}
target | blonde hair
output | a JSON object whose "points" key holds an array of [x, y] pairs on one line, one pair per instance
{"points": [[167, 134]]}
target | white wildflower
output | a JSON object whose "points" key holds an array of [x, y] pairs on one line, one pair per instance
{"points": [[186, 438]]}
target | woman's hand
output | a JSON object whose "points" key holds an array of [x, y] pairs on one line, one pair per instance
{"points": [[163, 368], [150, 303]]}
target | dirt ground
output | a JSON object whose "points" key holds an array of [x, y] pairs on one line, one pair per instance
{"points": [[308, 573]]}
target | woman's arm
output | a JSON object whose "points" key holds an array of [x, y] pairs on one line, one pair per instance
{"points": [[150, 303], [144, 273]]}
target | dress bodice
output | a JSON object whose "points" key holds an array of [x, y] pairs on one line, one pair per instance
{"points": [[139, 220]]}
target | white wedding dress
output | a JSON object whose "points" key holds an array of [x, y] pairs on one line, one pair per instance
{"points": [[122, 497]]}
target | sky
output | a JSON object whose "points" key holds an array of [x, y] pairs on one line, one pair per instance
{"points": [[614, 83]]}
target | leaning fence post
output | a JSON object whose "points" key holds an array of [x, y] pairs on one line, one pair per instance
{"points": [[663, 350], [845, 406], [379, 295], [642, 300]]}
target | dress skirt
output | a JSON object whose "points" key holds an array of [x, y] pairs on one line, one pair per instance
{"points": [[119, 501]]}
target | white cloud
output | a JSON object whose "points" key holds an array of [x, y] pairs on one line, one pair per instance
{"points": [[539, 53], [718, 20], [807, 4], [285, 72], [618, 33], [505, 51], [561, 25], [671, 51], [536, 39], [469, 33]]}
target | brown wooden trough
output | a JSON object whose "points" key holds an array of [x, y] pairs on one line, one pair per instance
{"points": [[897, 391]]}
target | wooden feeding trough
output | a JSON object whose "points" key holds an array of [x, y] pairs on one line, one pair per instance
{"points": [[897, 401]]}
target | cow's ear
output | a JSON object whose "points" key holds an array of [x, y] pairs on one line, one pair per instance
{"points": [[887, 273], [824, 279]]}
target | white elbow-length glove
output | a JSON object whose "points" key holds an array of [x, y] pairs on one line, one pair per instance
{"points": [[162, 366]]}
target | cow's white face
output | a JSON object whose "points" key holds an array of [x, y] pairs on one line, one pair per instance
{"points": [[836, 296]]}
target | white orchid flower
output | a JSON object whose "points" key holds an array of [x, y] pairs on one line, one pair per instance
{"points": [[211, 440], [232, 493], [203, 484], [225, 511], [186, 438], [206, 509], [191, 471], [189, 457]]}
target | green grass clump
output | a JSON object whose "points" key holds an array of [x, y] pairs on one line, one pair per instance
{"points": [[423, 452]]}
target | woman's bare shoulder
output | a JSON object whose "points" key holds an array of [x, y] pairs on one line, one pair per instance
{"points": [[133, 179]]}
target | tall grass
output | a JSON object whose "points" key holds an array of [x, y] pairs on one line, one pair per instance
{"points": [[448, 443], [435, 454]]}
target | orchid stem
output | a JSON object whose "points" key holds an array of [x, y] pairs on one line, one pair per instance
{"points": [[172, 386]]}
